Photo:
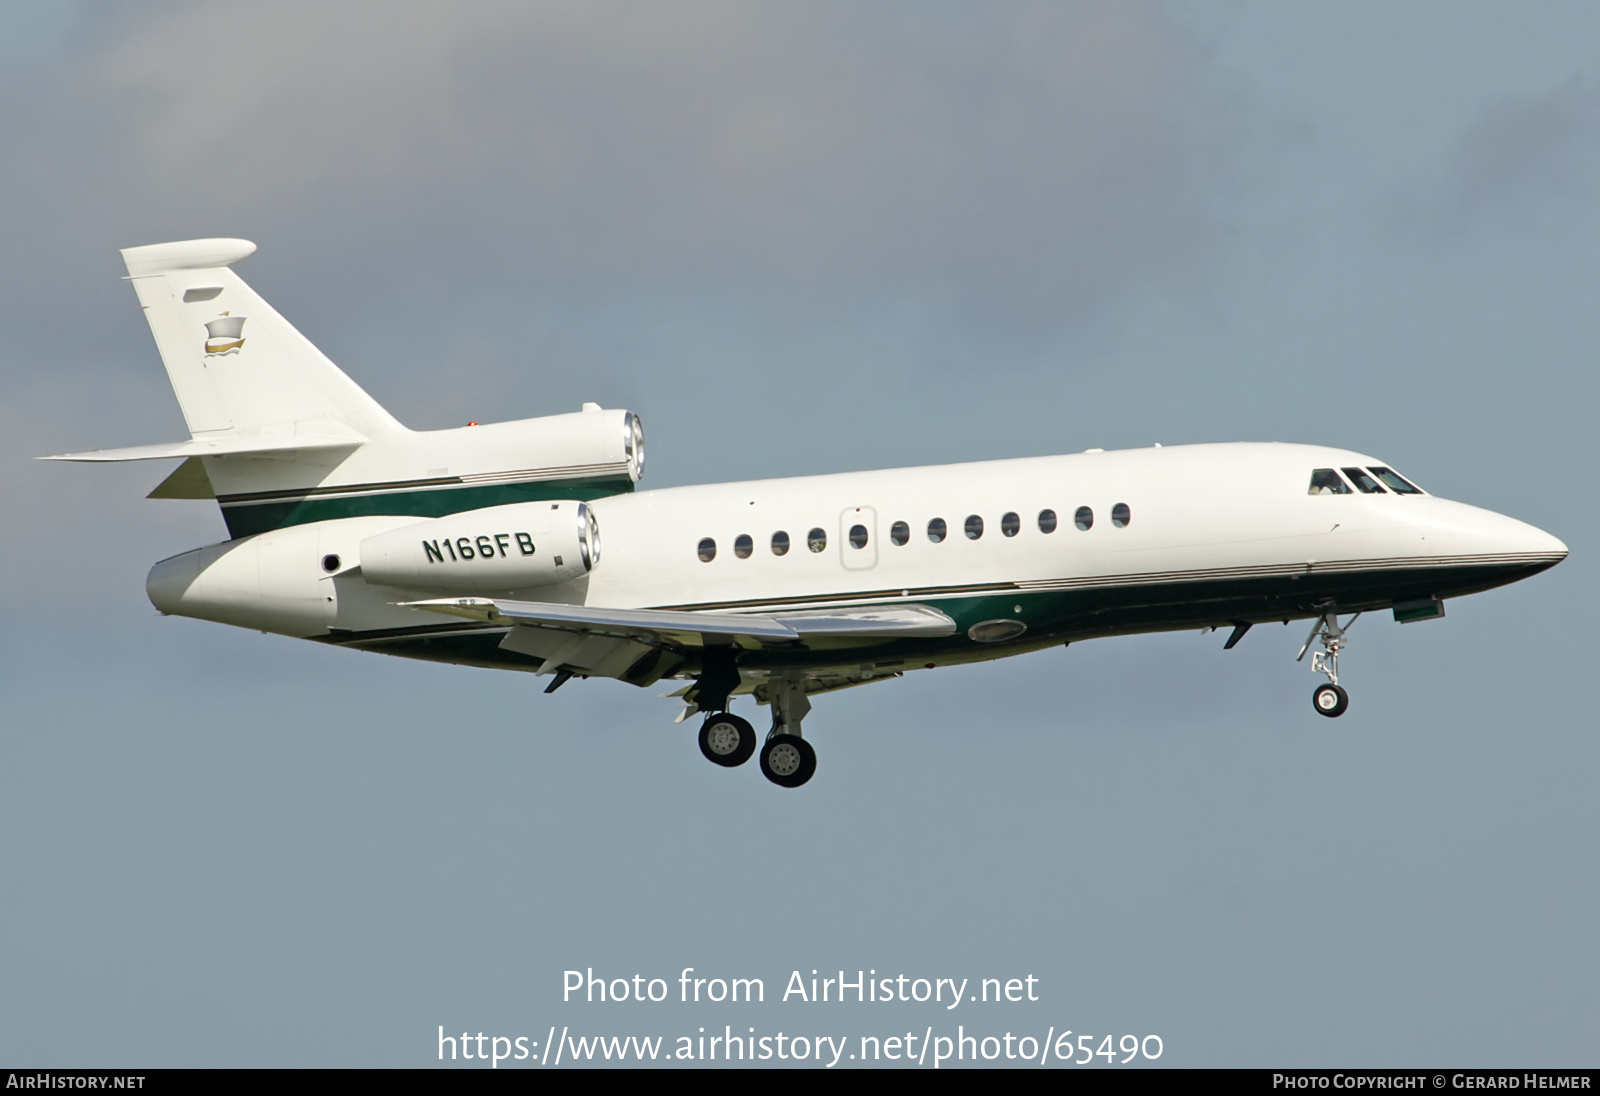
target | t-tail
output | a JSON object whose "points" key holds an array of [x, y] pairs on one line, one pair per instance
{"points": [[280, 436]]}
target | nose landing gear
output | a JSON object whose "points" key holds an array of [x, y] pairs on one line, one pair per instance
{"points": [[1330, 700]]}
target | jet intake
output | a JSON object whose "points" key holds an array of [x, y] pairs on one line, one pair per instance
{"points": [[487, 551]]}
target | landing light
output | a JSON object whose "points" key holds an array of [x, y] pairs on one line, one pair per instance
{"points": [[995, 631]]}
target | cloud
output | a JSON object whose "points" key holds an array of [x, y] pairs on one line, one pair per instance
{"points": [[1516, 158], [1029, 158]]}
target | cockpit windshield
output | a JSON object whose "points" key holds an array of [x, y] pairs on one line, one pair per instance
{"points": [[1396, 484], [1364, 483], [1325, 481]]}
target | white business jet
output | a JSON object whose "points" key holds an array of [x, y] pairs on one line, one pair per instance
{"points": [[482, 545]]}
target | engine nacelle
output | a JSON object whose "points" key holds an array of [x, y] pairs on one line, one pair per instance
{"points": [[487, 551]]}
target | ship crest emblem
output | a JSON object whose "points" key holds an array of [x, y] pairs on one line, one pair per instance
{"points": [[223, 335]]}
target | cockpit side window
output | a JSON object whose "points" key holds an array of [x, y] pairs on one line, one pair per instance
{"points": [[1396, 483], [1366, 483], [1325, 481]]}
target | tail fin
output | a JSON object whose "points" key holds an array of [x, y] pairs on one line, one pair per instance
{"points": [[238, 368]]}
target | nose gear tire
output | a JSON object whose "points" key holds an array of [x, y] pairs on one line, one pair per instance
{"points": [[1330, 700]]}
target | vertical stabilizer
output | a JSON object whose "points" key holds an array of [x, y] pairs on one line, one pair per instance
{"points": [[236, 365]]}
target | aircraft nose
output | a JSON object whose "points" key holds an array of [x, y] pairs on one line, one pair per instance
{"points": [[1520, 538], [1541, 541], [1458, 528]]}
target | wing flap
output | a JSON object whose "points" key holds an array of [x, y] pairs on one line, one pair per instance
{"points": [[657, 627], [646, 623]]}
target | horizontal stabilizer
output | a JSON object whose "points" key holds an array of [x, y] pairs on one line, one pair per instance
{"points": [[695, 629], [218, 447]]}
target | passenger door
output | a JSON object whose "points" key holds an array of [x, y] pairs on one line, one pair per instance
{"points": [[858, 538]]}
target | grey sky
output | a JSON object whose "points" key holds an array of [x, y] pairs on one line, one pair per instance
{"points": [[801, 238]]}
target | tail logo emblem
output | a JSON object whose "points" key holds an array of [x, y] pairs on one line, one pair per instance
{"points": [[223, 335]]}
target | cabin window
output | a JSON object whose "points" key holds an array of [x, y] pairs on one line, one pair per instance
{"points": [[1396, 483], [900, 532], [816, 540], [708, 550], [743, 546], [1325, 481], [1047, 521], [1084, 518], [936, 530], [780, 543], [858, 536], [1010, 524], [1121, 515], [1366, 483], [974, 527]]}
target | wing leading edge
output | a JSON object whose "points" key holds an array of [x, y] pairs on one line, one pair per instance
{"points": [[699, 629]]}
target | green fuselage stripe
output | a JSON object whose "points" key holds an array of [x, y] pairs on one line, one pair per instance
{"points": [[246, 519]]}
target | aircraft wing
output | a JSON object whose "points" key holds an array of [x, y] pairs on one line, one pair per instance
{"points": [[641, 646], [697, 629]]}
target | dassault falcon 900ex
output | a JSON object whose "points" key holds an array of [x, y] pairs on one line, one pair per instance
{"points": [[482, 545]]}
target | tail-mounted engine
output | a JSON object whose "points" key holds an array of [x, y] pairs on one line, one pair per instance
{"points": [[492, 550]]}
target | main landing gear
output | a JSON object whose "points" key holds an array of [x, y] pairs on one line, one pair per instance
{"points": [[787, 759], [1330, 700]]}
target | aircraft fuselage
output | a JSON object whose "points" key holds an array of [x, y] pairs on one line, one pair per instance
{"points": [[1210, 535]]}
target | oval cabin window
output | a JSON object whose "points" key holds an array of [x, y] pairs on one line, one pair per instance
{"points": [[780, 543], [1047, 521], [816, 540], [1121, 515], [900, 532], [707, 550], [1084, 518], [743, 546], [936, 530]]}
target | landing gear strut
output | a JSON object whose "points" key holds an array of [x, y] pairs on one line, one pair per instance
{"points": [[725, 739], [1330, 700], [788, 759]]}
